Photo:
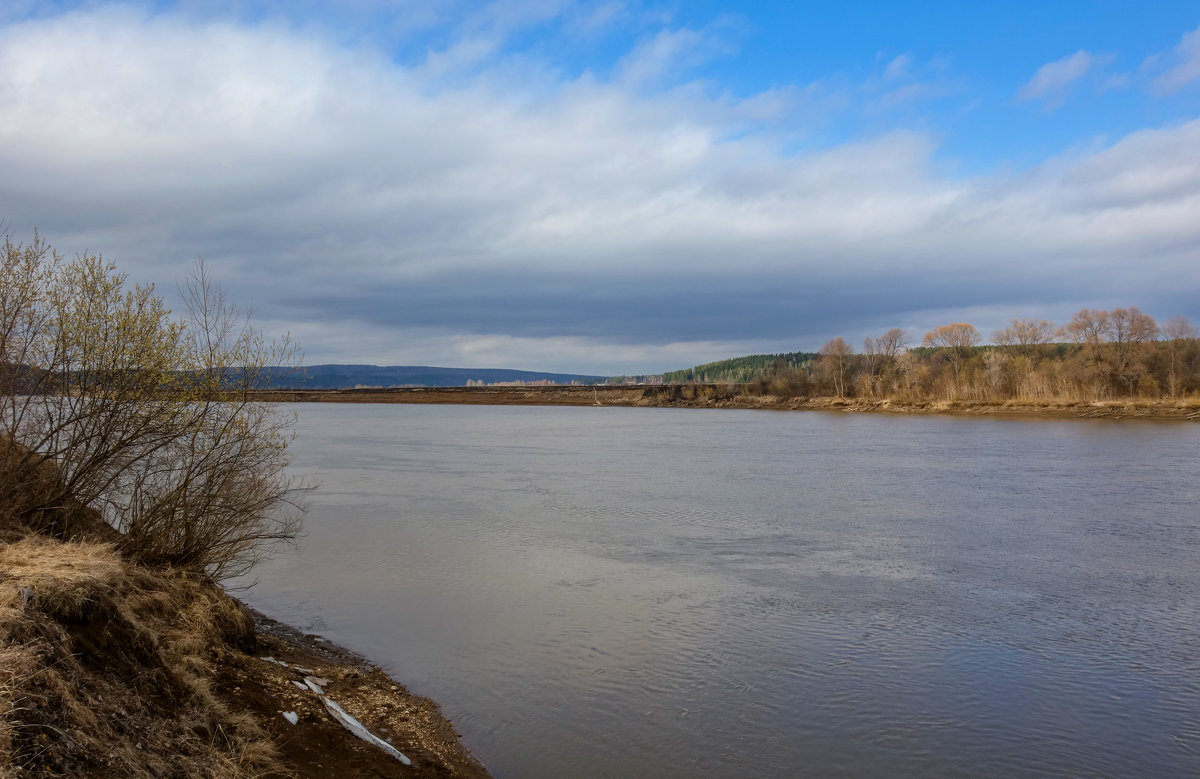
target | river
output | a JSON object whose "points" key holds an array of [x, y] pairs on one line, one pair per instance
{"points": [[666, 592]]}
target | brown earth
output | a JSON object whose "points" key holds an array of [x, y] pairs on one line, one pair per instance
{"points": [[500, 396], [730, 396], [317, 746], [111, 669]]}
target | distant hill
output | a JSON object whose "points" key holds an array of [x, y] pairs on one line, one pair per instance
{"points": [[350, 376], [737, 369]]}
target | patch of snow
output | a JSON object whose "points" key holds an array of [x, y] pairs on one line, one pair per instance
{"points": [[358, 729]]}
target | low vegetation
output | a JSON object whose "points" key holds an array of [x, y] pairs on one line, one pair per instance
{"points": [[106, 667], [135, 472], [1121, 355]]}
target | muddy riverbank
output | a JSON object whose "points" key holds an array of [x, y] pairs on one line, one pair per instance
{"points": [[727, 396]]}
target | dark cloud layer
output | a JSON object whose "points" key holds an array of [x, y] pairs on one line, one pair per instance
{"points": [[646, 309]]}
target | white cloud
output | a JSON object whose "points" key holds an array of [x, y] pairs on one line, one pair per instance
{"points": [[1053, 78], [510, 15], [597, 19], [659, 55], [1185, 65], [669, 51], [898, 68], [1118, 81], [904, 85]]}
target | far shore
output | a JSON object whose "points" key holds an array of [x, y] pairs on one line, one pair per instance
{"points": [[721, 396]]}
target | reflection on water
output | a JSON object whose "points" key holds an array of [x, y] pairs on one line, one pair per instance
{"points": [[658, 592]]}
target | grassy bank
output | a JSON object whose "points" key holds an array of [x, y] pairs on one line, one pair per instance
{"points": [[725, 396], [108, 668]]}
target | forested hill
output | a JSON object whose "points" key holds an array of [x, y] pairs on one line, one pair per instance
{"points": [[350, 376], [739, 369]]}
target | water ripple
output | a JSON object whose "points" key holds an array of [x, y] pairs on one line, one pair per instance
{"points": [[608, 592]]}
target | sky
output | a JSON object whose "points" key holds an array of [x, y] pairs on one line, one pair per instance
{"points": [[614, 187]]}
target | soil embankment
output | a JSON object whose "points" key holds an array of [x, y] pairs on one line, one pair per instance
{"points": [[111, 669], [476, 396], [730, 396]]}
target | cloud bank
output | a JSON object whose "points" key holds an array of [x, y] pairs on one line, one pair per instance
{"points": [[477, 209]]}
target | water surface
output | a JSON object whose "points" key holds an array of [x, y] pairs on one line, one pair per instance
{"points": [[665, 592]]}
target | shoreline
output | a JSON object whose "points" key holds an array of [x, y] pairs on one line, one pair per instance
{"points": [[720, 396], [110, 668], [271, 681]]}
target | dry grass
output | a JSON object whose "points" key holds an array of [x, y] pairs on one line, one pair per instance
{"points": [[105, 668]]}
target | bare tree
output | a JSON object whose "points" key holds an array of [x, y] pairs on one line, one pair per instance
{"points": [[956, 341], [1088, 326], [835, 358], [881, 353], [92, 370], [143, 417], [1130, 325], [1025, 333], [1178, 328], [1130, 331], [892, 343], [1179, 334], [1091, 329]]}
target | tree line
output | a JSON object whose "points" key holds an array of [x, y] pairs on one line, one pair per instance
{"points": [[1122, 354], [738, 370]]}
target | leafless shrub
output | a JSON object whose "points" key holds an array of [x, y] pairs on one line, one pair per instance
{"points": [[109, 403]]}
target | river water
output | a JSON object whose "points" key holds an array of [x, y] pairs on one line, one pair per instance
{"points": [[665, 592]]}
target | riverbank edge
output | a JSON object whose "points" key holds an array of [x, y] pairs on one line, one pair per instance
{"points": [[1114, 410], [271, 680], [109, 668], [720, 396]]}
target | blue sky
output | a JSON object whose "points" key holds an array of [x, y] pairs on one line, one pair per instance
{"points": [[615, 187]]}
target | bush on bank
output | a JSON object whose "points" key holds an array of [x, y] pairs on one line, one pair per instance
{"points": [[113, 404]]}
